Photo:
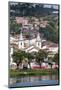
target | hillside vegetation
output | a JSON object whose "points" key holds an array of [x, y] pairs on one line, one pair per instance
{"points": [[50, 32]]}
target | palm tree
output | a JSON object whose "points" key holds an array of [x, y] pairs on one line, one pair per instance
{"points": [[18, 57], [30, 57], [40, 56]]}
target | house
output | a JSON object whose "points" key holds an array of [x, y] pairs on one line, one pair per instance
{"points": [[32, 49], [21, 20], [50, 47]]}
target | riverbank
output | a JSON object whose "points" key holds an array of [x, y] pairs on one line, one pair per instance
{"points": [[18, 73]]}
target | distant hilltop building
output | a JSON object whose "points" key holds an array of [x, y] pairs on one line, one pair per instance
{"points": [[26, 21], [21, 20]]}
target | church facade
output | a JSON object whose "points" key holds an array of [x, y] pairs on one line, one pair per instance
{"points": [[33, 45]]}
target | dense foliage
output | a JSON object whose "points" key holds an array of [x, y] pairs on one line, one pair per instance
{"points": [[14, 27], [56, 58], [51, 31], [40, 56], [19, 56]]}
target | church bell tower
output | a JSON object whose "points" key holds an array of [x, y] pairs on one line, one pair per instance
{"points": [[38, 41], [21, 41]]}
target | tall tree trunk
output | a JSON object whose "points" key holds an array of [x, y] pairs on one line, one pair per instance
{"points": [[29, 64], [17, 65]]}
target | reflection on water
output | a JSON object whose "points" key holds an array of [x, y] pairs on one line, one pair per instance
{"points": [[39, 80]]}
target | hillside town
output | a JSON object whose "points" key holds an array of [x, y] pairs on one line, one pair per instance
{"points": [[33, 44]]}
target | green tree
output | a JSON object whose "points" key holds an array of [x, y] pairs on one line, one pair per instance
{"points": [[18, 56], [14, 27], [51, 30], [41, 55], [56, 58], [30, 56]]}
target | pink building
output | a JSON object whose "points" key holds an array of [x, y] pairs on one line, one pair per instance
{"points": [[21, 20]]}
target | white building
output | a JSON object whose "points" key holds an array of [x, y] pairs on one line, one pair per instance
{"points": [[33, 45], [13, 65]]}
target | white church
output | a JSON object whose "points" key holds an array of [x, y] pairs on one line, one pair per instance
{"points": [[33, 45]]}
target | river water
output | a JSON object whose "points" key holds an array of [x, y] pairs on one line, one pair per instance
{"points": [[34, 81]]}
